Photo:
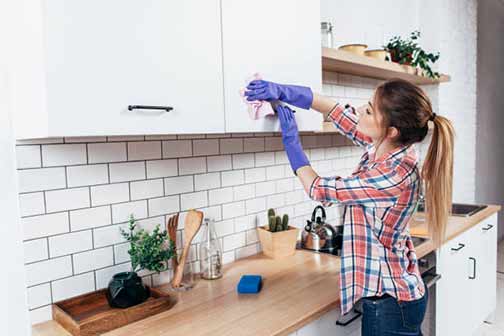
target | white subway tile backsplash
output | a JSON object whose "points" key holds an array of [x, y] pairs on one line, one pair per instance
{"points": [[108, 235], [146, 189], [122, 211], [275, 201], [284, 185], [67, 199], [255, 205], [206, 147], [31, 204], [232, 178], [207, 181], [35, 250], [275, 172], [246, 251], [231, 146], [243, 192], [39, 296], [255, 175], [92, 260], [73, 286], [220, 196], [178, 185], [41, 314], [63, 155], [162, 168], [281, 157], [192, 166], [79, 176], [264, 159], [231, 210], [273, 143], [219, 163], [128, 171], [70, 243], [177, 148], [193, 200], [90, 218], [121, 253], [265, 188], [224, 228], [144, 150], [48, 270], [45, 225], [246, 222], [28, 157], [107, 152], [164, 205], [234, 241], [241, 161], [41, 179]]}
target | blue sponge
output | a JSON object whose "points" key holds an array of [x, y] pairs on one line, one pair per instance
{"points": [[249, 284]]}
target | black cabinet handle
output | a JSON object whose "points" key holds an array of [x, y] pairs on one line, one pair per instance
{"points": [[149, 107], [474, 268], [461, 246], [489, 226]]}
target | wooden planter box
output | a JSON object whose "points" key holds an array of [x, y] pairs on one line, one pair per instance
{"points": [[90, 314], [278, 244]]}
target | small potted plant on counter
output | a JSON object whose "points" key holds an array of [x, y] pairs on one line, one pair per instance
{"points": [[149, 251], [410, 54], [278, 239]]}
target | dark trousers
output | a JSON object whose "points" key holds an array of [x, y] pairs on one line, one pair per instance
{"points": [[385, 316]]}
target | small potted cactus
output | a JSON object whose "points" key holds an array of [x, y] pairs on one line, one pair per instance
{"points": [[278, 239]]}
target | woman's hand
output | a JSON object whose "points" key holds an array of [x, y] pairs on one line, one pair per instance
{"points": [[299, 96]]}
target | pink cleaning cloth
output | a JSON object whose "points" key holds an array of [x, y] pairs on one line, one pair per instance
{"points": [[258, 108]]}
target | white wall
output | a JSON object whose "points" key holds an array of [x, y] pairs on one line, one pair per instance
{"points": [[490, 116]]}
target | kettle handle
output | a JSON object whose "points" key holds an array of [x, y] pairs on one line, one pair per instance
{"points": [[314, 213]]}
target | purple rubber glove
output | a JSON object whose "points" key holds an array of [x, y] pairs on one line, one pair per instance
{"points": [[300, 96], [290, 138]]}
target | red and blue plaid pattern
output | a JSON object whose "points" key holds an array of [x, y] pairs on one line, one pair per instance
{"points": [[378, 256]]}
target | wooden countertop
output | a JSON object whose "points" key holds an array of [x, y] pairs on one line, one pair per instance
{"points": [[297, 290]]}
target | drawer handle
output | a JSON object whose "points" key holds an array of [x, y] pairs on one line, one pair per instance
{"points": [[149, 107], [489, 226], [474, 268], [461, 246]]}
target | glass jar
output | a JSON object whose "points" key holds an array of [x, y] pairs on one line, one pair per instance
{"points": [[210, 252], [326, 34]]}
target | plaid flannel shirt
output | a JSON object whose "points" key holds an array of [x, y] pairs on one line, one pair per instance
{"points": [[380, 196]]}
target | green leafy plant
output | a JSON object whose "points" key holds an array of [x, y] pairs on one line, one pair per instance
{"points": [[149, 251], [408, 52], [277, 224]]}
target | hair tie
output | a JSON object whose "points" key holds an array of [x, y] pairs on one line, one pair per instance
{"points": [[432, 117]]}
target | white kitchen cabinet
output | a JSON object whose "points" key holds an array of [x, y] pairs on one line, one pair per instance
{"points": [[278, 39], [465, 295], [78, 65]]}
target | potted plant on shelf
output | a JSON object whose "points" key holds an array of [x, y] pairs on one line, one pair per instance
{"points": [[410, 54], [278, 239], [149, 251]]}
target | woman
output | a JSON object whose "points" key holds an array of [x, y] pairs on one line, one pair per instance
{"points": [[378, 262]]}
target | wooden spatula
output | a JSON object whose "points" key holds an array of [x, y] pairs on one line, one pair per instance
{"points": [[191, 226]]}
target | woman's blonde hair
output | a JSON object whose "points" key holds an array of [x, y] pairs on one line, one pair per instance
{"points": [[407, 107]]}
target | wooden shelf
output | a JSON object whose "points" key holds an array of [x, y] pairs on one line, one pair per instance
{"points": [[349, 63]]}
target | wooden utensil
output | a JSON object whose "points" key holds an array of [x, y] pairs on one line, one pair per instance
{"points": [[171, 227], [191, 226]]}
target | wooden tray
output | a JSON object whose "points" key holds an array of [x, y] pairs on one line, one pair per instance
{"points": [[90, 314]]}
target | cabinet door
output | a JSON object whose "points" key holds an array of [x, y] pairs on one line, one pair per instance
{"points": [[485, 236], [452, 311], [278, 39], [102, 56]]}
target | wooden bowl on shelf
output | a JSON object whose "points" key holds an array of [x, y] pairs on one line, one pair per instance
{"points": [[354, 48], [380, 54]]}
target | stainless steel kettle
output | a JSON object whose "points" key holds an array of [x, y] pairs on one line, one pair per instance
{"points": [[319, 235]]}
